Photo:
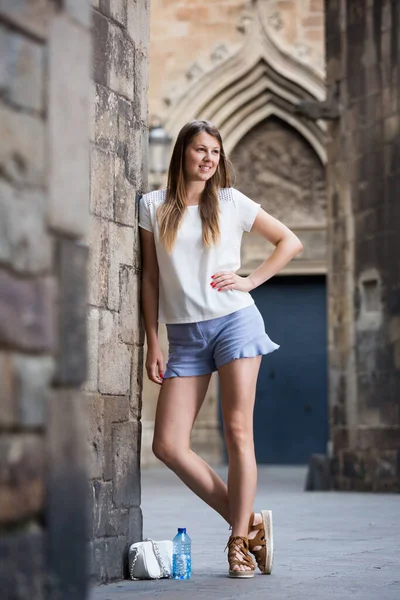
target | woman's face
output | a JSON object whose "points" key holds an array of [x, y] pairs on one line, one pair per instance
{"points": [[201, 157]]}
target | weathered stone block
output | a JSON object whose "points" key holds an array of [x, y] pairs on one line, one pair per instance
{"points": [[23, 565], [126, 449], [72, 301], [124, 195], [8, 404], [79, 10], [135, 531], [108, 558], [31, 379], [22, 223], [108, 521], [22, 477], [139, 23], [95, 434], [33, 16], [102, 184], [114, 357], [22, 76], [129, 320], [106, 119], [116, 410], [122, 243], [66, 495], [27, 313], [141, 86], [22, 148], [137, 382], [92, 380], [121, 63], [99, 262], [101, 48], [69, 93], [116, 9], [133, 156]]}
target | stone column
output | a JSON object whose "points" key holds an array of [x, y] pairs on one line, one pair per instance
{"points": [[119, 132], [44, 217], [363, 66]]}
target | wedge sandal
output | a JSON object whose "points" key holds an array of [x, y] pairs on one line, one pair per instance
{"points": [[239, 545], [265, 539]]}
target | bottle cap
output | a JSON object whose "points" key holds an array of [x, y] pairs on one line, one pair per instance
{"points": [[181, 529]]}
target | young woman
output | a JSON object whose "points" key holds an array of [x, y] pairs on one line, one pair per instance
{"points": [[190, 238]]}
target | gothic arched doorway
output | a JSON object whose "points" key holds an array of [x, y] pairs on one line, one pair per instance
{"points": [[277, 167]]}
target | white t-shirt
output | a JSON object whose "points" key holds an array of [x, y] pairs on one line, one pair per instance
{"points": [[185, 293]]}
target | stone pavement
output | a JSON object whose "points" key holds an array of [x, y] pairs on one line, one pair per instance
{"points": [[328, 545]]}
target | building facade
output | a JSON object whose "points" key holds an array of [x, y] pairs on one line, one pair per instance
{"points": [[362, 44]]}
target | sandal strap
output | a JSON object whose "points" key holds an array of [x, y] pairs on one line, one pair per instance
{"points": [[237, 544]]}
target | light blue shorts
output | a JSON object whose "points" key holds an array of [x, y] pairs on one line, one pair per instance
{"points": [[203, 347]]}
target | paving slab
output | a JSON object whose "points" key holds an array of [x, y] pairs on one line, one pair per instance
{"points": [[328, 545]]}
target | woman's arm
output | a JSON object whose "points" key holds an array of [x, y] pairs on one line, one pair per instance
{"points": [[287, 246], [149, 305]]}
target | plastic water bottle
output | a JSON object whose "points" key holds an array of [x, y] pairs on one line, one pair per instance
{"points": [[182, 555]]}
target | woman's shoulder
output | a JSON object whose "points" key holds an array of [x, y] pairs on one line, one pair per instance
{"points": [[154, 198], [228, 195]]}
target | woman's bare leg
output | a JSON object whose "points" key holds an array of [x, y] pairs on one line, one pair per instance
{"points": [[178, 405], [238, 388]]}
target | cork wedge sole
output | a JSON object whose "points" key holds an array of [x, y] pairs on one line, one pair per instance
{"points": [[241, 574], [269, 539]]}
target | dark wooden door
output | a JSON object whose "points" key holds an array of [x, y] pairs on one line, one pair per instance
{"points": [[291, 416]]}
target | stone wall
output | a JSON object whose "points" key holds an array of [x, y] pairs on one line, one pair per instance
{"points": [[119, 133], [363, 64], [44, 218]]}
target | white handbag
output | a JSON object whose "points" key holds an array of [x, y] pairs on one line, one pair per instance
{"points": [[150, 559]]}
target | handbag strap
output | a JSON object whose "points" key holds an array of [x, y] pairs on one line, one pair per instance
{"points": [[157, 554]]}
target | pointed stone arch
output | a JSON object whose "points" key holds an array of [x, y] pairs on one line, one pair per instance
{"points": [[257, 82]]}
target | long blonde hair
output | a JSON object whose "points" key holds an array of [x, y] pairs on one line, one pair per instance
{"points": [[171, 212]]}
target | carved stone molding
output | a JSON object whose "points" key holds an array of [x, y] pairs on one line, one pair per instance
{"points": [[257, 82]]}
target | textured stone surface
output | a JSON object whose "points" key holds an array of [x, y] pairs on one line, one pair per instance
{"points": [[26, 313], [102, 187], [106, 118], [130, 307], [22, 152], [126, 446], [24, 395], [33, 16], [121, 63], [96, 440], [364, 277], [99, 262], [124, 199], [72, 313], [22, 73], [66, 473], [91, 383], [22, 223], [69, 127], [276, 167], [22, 578], [79, 10], [22, 469], [116, 410], [122, 244], [114, 357], [116, 174]]}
